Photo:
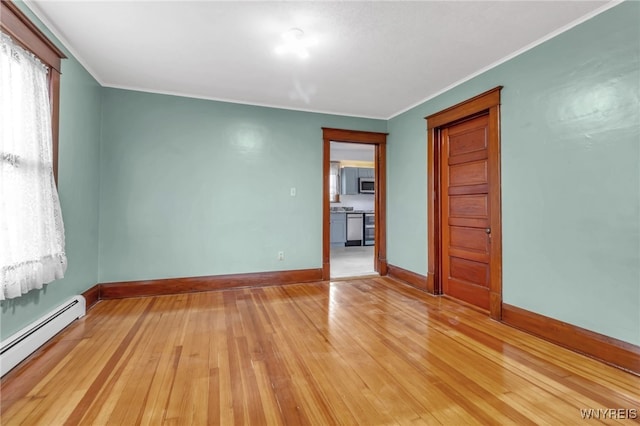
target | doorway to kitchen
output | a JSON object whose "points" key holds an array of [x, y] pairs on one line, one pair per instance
{"points": [[354, 194], [352, 223]]}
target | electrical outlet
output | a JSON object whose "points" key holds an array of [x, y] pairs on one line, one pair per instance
{"points": [[293, 192], [280, 255]]}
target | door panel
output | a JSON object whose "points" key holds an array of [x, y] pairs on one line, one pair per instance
{"points": [[470, 271], [462, 144], [469, 189], [466, 212], [467, 139], [469, 206], [471, 293], [472, 173], [469, 211], [469, 238], [469, 254]]}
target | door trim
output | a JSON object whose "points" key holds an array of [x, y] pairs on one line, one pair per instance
{"points": [[485, 103], [379, 140]]}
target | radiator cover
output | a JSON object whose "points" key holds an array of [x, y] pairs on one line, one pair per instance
{"points": [[20, 345]]}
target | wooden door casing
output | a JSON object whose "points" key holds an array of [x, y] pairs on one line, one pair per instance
{"points": [[379, 141], [466, 210]]}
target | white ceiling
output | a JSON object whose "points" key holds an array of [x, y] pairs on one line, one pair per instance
{"points": [[372, 59], [351, 151]]}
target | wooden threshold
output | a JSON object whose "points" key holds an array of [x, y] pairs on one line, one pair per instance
{"points": [[366, 351]]}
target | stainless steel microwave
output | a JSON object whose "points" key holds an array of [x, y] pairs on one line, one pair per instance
{"points": [[366, 185]]}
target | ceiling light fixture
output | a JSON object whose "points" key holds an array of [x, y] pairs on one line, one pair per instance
{"points": [[295, 43]]}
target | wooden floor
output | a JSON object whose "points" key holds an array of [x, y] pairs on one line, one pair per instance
{"points": [[368, 352]]}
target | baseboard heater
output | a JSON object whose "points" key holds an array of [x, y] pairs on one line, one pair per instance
{"points": [[23, 343]]}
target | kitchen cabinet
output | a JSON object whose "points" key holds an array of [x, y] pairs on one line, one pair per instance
{"points": [[338, 229], [349, 180], [366, 172], [350, 176]]}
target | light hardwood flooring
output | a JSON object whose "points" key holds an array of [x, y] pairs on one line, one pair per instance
{"points": [[368, 352]]}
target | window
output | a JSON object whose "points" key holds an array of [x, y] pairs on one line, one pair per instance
{"points": [[334, 182], [31, 229], [18, 26]]}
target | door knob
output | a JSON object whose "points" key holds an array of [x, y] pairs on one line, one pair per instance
{"points": [[488, 230]]}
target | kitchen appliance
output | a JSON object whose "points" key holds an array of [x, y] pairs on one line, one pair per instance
{"points": [[354, 229], [369, 229], [366, 185]]}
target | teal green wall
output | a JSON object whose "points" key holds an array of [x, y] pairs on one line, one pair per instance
{"points": [[193, 187], [570, 175], [79, 164]]}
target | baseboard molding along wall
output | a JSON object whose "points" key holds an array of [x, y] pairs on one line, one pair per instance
{"points": [[416, 280], [118, 290], [607, 349]]}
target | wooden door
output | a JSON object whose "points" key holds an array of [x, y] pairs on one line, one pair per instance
{"points": [[465, 211]]}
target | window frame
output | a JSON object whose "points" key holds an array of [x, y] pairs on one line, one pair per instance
{"points": [[25, 33]]}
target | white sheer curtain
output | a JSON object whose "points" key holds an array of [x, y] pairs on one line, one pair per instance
{"points": [[31, 228]]}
